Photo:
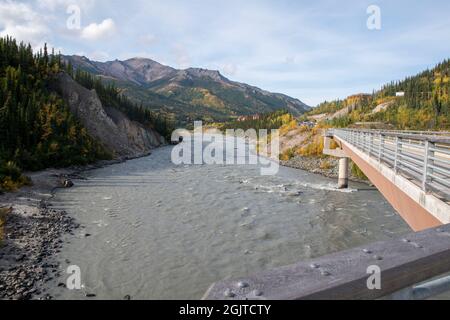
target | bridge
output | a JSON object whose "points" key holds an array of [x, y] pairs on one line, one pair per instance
{"points": [[412, 171]]}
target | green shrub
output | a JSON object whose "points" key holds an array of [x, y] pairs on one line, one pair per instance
{"points": [[287, 155], [314, 148], [11, 177]]}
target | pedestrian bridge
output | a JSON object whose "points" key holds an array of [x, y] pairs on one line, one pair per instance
{"points": [[411, 169]]}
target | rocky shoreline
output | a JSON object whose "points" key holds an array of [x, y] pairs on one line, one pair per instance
{"points": [[33, 231], [328, 167], [32, 239]]}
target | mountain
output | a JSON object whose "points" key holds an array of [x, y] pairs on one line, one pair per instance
{"points": [[117, 133], [419, 102], [50, 119], [191, 93]]}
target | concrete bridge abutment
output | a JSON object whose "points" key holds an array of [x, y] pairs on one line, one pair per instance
{"points": [[343, 173], [343, 161]]}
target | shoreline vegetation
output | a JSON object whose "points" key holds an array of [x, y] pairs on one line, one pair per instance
{"points": [[31, 232], [301, 146], [38, 131], [37, 125]]}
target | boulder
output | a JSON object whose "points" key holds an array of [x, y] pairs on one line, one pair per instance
{"points": [[66, 183]]}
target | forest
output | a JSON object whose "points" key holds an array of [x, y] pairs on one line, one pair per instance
{"points": [[37, 129], [111, 96], [272, 120], [424, 106]]}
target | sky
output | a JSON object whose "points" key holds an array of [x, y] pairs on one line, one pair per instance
{"points": [[311, 50]]}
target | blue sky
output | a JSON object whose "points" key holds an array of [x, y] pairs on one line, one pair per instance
{"points": [[311, 50]]}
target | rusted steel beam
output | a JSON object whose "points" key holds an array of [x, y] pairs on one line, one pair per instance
{"points": [[344, 275]]}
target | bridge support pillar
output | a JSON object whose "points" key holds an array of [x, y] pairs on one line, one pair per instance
{"points": [[343, 173]]}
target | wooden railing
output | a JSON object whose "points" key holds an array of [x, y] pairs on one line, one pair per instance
{"points": [[403, 262]]}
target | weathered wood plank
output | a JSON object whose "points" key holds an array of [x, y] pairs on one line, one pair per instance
{"points": [[343, 275]]}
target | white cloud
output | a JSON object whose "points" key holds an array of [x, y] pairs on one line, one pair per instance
{"points": [[306, 49], [54, 4], [96, 31], [20, 21]]}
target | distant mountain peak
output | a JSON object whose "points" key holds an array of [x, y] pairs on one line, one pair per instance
{"points": [[197, 92], [200, 72], [143, 61]]}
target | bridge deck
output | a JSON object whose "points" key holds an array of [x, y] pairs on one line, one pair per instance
{"points": [[403, 262], [411, 170]]}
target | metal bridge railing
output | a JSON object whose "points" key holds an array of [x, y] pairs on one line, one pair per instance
{"points": [[422, 157]]}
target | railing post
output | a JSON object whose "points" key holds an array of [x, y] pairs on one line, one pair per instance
{"points": [[371, 148], [431, 153], [381, 146], [397, 154], [425, 166], [365, 142]]}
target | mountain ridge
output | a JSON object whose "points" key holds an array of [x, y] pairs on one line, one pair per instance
{"points": [[191, 93], [418, 102]]}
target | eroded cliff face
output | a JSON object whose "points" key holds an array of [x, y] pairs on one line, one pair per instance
{"points": [[121, 136]]}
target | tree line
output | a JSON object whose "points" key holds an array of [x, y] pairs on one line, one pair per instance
{"points": [[272, 120], [425, 104], [37, 130], [111, 96]]}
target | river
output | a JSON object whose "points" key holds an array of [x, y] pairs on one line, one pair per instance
{"points": [[155, 230]]}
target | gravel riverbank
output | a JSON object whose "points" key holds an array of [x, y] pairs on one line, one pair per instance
{"points": [[32, 234], [33, 229], [328, 167]]}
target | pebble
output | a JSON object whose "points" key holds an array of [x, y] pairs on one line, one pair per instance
{"points": [[41, 236], [313, 164]]}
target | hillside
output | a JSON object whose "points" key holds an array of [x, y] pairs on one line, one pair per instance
{"points": [[420, 102], [47, 119], [190, 94]]}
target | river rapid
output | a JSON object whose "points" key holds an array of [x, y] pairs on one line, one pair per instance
{"points": [[156, 230]]}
